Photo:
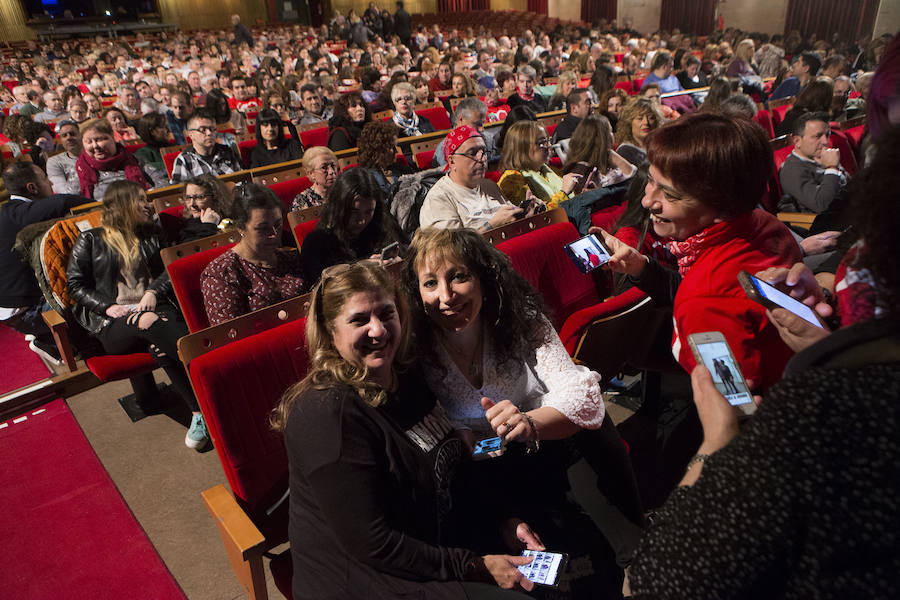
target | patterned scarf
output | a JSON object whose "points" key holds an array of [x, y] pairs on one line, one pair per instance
{"points": [[88, 169], [409, 126], [855, 290], [688, 251]]}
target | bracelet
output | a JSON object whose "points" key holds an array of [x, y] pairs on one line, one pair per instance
{"points": [[532, 446], [488, 226], [698, 458]]}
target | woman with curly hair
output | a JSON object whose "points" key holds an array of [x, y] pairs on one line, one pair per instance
{"points": [[355, 223], [378, 155], [639, 117], [351, 113], [207, 202]]}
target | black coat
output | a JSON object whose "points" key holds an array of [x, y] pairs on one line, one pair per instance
{"points": [[93, 274]]}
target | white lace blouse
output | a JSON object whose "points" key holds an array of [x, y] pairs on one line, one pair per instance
{"points": [[554, 380]]}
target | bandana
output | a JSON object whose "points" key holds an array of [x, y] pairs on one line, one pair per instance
{"points": [[455, 139]]}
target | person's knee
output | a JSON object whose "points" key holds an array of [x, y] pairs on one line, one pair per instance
{"points": [[146, 320]]}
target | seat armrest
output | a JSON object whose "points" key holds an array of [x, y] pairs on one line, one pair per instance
{"points": [[60, 330], [243, 541]]}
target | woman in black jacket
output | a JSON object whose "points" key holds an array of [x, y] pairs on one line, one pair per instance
{"points": [[121, 290], [351, 113], [271, 145]]}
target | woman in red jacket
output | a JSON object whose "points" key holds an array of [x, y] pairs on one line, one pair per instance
{"points": [[707, 174]]}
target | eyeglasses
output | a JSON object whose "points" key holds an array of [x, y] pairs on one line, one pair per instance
{"points": [[543, 143], [403, 99], [477, 155], [327, 167], [205, 130]]}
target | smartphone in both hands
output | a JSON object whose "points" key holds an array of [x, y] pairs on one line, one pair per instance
{"points": [[712, 350], [588, 253], [545, 567]]}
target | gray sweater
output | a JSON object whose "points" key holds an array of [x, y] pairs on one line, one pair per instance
{"points": [[807, 187]]}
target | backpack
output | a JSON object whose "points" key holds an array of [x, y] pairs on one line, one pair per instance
{"points": [[408, 196]]}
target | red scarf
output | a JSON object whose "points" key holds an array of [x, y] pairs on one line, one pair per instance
{"points": [[88, 169], [688, 251]]}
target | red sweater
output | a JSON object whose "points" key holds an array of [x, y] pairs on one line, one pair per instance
{"points": [[710, 298]]}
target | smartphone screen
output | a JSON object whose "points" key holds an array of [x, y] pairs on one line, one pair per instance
{"points": [[725, 373], [784, 301], [486, 446], [545, 568], [587, 253]]}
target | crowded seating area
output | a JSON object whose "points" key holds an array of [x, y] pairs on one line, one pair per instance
{"points": [[480, 304]]}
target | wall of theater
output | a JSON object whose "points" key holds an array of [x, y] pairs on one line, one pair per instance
{"points": [[888, 18], [12, 22], [200, 14], [563, 9], [766, 16], [517, 4]]}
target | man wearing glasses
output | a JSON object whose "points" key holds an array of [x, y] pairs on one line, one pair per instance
{"points": [[205, 156], [463, 197]]}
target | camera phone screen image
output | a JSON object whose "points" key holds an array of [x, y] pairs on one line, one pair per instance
{"points": [[785, 301], [725, 372], [587, 253], [544, 568]]}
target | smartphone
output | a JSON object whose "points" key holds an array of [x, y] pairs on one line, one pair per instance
{"points": [[588, 253], [712, 350], [545, 567], [525, 206], [586, 171], [771, 297], [488, 448], [390, 251]]}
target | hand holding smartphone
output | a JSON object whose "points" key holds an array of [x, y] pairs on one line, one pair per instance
{"points": [[711, 350], [545, 567], [390, 251], [771, 297], [588, 253]]}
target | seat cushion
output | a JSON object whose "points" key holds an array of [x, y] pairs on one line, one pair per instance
{"points": [[314, 137], [185, 276], [113, 367]]}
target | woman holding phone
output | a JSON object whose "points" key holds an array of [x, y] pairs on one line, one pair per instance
{"points": [[371, 457], [354, 224], [499, 369]]}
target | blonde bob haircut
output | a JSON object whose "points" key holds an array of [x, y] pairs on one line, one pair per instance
{"points": [[327, 369], [565, 77], [519, 144], [312, 156]]}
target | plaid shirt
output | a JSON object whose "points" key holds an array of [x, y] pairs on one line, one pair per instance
{"points": [[189, 164]]}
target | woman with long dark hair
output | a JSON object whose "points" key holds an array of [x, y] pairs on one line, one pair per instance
{"points": [[351, 113], [272, 146]]}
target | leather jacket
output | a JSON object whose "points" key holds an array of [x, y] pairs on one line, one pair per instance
{"points": [[93, 274]]}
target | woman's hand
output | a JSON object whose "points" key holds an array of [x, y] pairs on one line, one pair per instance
{"points": [[208, 215], [508, 421], [518, 535], [819, 243], [798, 333], [534, 204], [148, 301], [800, 283], [569, 181], [716, 414], [504, 570], [624, 259], [116, 310]]}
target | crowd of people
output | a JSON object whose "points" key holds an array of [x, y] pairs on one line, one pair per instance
{"points": [[407, 373]]}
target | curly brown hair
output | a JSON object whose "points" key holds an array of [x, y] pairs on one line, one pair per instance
{"points": [[377, 144]]}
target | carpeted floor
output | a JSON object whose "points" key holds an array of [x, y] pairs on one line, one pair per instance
{"points": [[21, 366], [64, 529]]}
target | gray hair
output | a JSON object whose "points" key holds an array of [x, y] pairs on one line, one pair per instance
{"points": [[739, 105], [527, 71], [471, 109], [400, 87]]}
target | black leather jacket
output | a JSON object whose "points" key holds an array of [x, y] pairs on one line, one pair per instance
{"points": [[93, 273]]}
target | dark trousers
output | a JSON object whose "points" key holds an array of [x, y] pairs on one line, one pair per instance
{"points": [[124, 336]]}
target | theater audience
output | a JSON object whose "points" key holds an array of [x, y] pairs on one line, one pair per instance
{"points": [[350, 115], [320, 165], [591, 146], [816, 96], [122, 293], [314, 109], [205, 156], [707, 174], [207, 208], [256, 272], [793, 467], [526, 94], [103, 161], [661, 73], [692, 77], [361, 393], [471, 112], [464, 197], [272, 146], [354, 224], [803, 69]]}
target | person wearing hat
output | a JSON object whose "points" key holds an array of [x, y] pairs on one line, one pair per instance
{"points": [[463, 197]]}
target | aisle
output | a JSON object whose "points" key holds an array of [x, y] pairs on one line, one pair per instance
{"points": [[20, 365]]}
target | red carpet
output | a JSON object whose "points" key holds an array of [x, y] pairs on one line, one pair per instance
{"points": [[21, 366], [65, 531]]}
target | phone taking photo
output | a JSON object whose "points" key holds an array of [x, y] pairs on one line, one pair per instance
{"points": [[712, 350], [586, 171], [588, 253], [771, 297], [545, 567], [488, 448]]}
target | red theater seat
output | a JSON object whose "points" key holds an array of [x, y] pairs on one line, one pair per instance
{"points": [[765, 121], [185, 276], [423, 159], [245, 148], [314, 137], [606, 218], [778, 114], [286, 190], [437, 115]]}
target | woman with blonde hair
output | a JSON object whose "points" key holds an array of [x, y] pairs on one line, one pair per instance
{"points": [[639, 117], [567, 82], [371, 457], [123, 295], [321, 166], [526, 152]]}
